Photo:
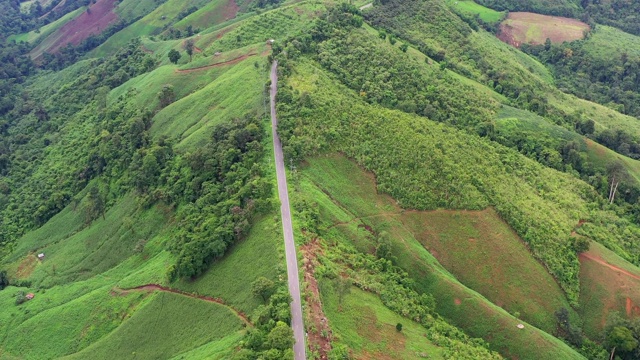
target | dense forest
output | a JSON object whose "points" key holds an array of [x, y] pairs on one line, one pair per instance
{"points": [[611, 80]]}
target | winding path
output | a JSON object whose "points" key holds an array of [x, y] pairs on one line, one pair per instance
{"points": [[610, 266], [157, 287], [299, 350]]}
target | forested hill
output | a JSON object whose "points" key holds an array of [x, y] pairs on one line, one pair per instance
{"points": [[461, 187]]}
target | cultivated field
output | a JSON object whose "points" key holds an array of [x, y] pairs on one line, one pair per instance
{"points": [[92, 22], [529, 28]]}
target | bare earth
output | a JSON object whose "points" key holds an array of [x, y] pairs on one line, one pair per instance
{"points": [[529, 28]]}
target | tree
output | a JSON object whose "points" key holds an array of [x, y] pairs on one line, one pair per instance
{"points": [[280, 337], [404, 47], [343, 287], [174, 56], [4, 279], [95, 206], [189, 45], [621, 339], [616, 173], [399, 327], [166, 95], [581, 244], [263, 288]]}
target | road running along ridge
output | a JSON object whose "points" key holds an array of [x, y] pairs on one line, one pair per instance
{"points": [[299, 349]]}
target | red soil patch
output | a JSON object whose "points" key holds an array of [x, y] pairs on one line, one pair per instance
{"points": [[606, 287], [457, 301], [228, 62], [91, 22], [156, 287], [230, 10], [27, 266], [524, 27], [320, 335]]}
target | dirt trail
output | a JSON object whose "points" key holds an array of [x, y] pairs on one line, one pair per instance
{"points": [[613, 267], [228, 62], [157, 287], [320, 334]]}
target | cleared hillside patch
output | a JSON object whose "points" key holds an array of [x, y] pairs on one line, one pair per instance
{"points": [[77, 324], [213, 13], [477, 247], [530, 28], [44, 31], [609, 283], [92, 21], [352, 212]]}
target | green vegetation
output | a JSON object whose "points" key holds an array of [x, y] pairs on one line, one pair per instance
{"points": [[35, 35], [442, 178], [351, 214], [164, 316], [136, 190], [247, 261], [364, 325], [487, 15], [582, 70]]}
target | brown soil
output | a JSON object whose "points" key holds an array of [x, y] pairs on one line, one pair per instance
{"points": [[228, 62], [230, 10], [525, 27], [156, 287], [610, 266], [457, 301], [27, 266], [319, 335], [98, 17]]}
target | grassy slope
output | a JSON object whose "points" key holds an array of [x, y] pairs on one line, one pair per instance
{"points": [[46, 30], [443, 30], [163, 329], [212, 13], [469, 6], [253, 257], [151, 24], [214, 105], [510, 119], [606, 41], [368, 328], [346, 196], [127, 248], [605, 289]]}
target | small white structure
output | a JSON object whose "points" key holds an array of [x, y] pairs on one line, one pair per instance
{"points": [[41, 256], [520, 326], [217, 53], [270, 41]]}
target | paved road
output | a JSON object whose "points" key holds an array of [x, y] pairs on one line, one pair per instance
{"points": [[287, 229]]}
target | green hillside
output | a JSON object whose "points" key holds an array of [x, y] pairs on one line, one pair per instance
{"points": [[452, 196]]}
